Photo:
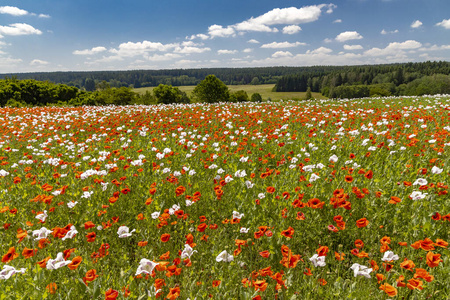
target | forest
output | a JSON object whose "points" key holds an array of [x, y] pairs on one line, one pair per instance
{"points": [[383, 80], [372, 80]]}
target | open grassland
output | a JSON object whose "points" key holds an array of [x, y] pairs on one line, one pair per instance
{"points": [[265, 90], [287, 200]]}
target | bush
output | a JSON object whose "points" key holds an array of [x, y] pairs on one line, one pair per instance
{"points": [[240, 96], [211, 90], [167, 94], [256, 97]]}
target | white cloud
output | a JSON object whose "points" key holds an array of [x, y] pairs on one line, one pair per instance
{"points": [[92, 51], [281, 54], [444, 23], [164, 57], [247, 50], [348, 35], [253, 41], [38, 62], [416, 24], [275, 45], [353, 47], [19, 29], [435, 48], [394, 48], [321, 50], [224, 51], [191, 50], [327, 40], [140, 48], [14, 11], [220, 31], [291, 29], [191, 44], [337, 21], [200, 36], [277, 16], [251, 26], [389, 32], [43, 16]]}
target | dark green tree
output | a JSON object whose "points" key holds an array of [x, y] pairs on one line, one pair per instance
{"points": [[239, 96], [89, 85], [211, 90], [256, 97], [167, 94]]}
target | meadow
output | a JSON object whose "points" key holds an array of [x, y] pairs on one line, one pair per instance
{"points": [[325, 199], [265, 90]]}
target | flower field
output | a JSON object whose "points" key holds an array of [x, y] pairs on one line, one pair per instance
{"points": [[290, 200]]}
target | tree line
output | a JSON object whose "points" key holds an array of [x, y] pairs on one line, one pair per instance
{"points": [[371, 80], [151, 78], [30, 92]]}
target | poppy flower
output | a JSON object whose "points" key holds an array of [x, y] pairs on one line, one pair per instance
{"points": [[415, 284], [348, 178], [395, 200], [10, 255], [288, 232], [433, 260], [27, 253], [388, 289], [362, 223], [91, 237], [51, 288], [76, 261], [408, 265], [111, 294], [264, 253], [174, 293]]}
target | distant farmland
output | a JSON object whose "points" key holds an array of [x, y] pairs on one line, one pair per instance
{"points": [[265, 90]]}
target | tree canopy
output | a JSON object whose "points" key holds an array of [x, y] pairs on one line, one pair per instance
{"points": [[211, 90]]}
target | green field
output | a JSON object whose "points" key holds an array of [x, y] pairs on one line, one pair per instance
{"points": [[265, 90]]}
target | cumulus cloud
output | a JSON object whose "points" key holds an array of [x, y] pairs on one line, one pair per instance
{"points": [[435, 48], [348, 35], [353, 47], [38, 62], [247, 50], [444, 23], [220, 31], [389, 32], [416, 24], [19, 29], [275, 45], [337, 21], [291, 29], [277, 16], [199, 36], [164, 57], [191, 50], [225, 51], [92, 51], [320, 50], [13, 11], [253, 41], [132, 49], [282, 54], [394, 48], [18, 12]]}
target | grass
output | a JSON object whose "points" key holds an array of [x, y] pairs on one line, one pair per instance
{"points": [[264, 89]]}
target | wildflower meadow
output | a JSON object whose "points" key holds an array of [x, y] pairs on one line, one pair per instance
{"points": [[329, 199]]}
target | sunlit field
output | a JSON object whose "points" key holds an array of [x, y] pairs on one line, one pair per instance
{"points": [[265, 90], [332, 199]]}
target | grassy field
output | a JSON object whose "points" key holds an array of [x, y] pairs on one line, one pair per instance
{"points": [[265, 90]]}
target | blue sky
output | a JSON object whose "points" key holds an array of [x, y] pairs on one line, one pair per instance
{"points": [[63, 35]]}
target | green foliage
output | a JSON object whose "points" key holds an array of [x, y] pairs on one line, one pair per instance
{"points": [[211, 90], [256, 97], [167, 94], [308, 94], [239, 96]]}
